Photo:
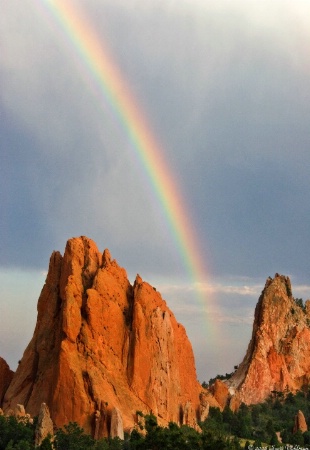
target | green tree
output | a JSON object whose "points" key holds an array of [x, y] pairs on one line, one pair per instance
{"points": [[256, 411], [102, 444], [300, 303], [269, 427], [306, 437], [12, 432], [274, 441], [297, 438], [115, 443], [23, 445], [244, 422], [10, 445], [136, 440], [257, 443], [72, 437], [286, 436], [46, 444]]}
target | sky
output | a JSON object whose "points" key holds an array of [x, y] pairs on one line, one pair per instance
{"points": [[224, 88]]}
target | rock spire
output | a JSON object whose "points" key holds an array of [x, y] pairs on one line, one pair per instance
{"points": [[103, 349], [278, 355]]}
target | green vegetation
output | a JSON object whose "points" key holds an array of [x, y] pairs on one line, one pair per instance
{"points": [[218, 377], [15, 435], [254, 425], [299, 302], [259, 423], [20, 436]]}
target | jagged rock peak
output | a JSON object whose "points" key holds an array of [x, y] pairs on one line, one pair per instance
{"points": [[138, 280], [106, 258], [103, 349], [278, 355]]}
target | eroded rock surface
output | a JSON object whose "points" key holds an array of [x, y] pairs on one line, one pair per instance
{"points": [[102, 345], [278, 356], [117, 429], [44, 427]]}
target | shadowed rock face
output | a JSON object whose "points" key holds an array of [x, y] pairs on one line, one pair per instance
{"points": [[100, 345], [6, 376], [278, 356]]}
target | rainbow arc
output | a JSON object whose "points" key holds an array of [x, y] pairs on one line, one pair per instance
{"points": [[112, 85]]}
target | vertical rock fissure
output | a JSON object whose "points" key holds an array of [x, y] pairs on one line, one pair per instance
{"points": [[34, 375]]}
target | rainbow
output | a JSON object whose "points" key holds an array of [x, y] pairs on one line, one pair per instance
{"points": [[105, 73]]}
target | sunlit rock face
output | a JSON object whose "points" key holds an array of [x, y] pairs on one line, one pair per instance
{"points": [[278, 356], [220, 392], [300, 423], [6, 376], [44, 427], [102, 345]]}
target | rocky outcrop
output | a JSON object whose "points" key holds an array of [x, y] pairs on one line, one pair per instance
{"points": [[220, 392], [6, 375], [278, 356], [117, 429], [19, 411], [206, 400], [102, 345], [44, 428], [300, 423]]}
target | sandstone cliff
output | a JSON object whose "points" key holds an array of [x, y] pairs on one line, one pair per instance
{"points": [[102, 345], [6, 375], [278, 356]]}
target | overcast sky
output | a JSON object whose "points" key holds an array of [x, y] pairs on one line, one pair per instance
{"points": [[225, 88]]}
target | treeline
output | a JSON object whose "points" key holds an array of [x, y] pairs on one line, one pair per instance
{"points": [[15, 435], [255, 425]]}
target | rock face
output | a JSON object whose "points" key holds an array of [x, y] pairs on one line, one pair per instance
{"points": [[221, 393], [6, 376], [102, 345], [300, 423], [278, 356], [45, 427]]}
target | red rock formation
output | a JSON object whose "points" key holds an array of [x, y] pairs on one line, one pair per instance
{"points": [[101, 344], [220, 392], [44, 427], [278, 356], [116, 424], [6, 376], [300, 423]]}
